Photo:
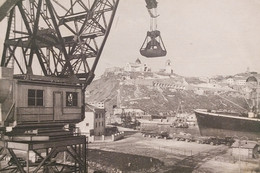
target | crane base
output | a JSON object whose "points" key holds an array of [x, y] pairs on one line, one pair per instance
{"points": [[56, 155]]}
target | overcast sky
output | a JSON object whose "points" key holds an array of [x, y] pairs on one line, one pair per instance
{"points": [[202, 37]]}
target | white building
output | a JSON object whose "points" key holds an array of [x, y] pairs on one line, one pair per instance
{"points": [[168, 67], [138, 66], [240, 81], [204, 79], [94, 122], [230, 81]]}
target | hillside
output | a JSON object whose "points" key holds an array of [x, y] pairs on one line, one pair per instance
{"points": [[136, 90]]}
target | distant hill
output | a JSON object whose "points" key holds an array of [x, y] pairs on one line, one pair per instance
{"points": [[138, 90]]}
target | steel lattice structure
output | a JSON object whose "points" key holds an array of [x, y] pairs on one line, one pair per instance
{"points": [[64, 38]]}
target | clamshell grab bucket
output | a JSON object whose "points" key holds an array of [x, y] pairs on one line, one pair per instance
{"points": [[153, 45]]}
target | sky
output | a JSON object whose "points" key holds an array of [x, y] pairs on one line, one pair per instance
{"points": [[202, 37]]}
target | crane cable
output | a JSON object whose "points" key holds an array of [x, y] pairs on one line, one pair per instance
{"points": [[231, 102], [152, 10], [153, 19]]}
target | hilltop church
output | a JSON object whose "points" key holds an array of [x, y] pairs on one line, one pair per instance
{"points": [[137, 66]]}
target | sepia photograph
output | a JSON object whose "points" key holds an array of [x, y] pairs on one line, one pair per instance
{"points": [[130, 86]]}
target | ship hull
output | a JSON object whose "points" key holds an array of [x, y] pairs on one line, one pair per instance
{"points": [[222, 125]]}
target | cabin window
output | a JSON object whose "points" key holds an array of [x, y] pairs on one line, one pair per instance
{"points": [[35, 97], [71, 99]]}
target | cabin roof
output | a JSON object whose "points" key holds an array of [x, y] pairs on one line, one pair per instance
{"points": [[244, 144], [47, 79]]}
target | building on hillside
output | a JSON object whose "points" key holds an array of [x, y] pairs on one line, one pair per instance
{"points": [[238, 80], [241, 81], [137, 66], [94, 122], [230, 81], [199, 91], [212, 81], [204, 79]]}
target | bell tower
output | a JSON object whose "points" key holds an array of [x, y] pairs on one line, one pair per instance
{"points": [[168, 67]]}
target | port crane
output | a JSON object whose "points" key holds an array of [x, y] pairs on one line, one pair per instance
{"points": [[50, 53]]}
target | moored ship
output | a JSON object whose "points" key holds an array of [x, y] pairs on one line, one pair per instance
{"points": [[213, 123], [222, 124]]}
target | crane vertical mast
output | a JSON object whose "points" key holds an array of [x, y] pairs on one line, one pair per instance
{"points": [[54, 48]]}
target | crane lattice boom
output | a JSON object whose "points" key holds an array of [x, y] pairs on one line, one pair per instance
{"points": [[65, 38]]}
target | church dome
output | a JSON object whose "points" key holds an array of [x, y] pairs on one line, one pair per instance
{"points": [[251, 79], [138, 61]]}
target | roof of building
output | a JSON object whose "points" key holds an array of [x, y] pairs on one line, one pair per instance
{"points": [[90, 108], [239, 78], [135, 65], [244, 144]]}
